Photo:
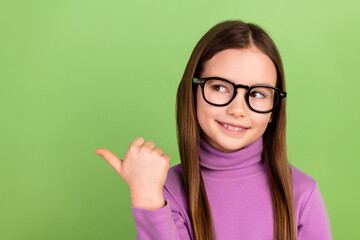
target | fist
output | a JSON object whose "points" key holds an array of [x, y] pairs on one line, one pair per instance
{"points": [[144, 167]]}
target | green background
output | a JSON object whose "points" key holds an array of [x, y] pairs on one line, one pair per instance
{"points": [[80, 75]]}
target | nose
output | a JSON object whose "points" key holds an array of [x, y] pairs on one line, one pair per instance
{"points": [[238, 106]]}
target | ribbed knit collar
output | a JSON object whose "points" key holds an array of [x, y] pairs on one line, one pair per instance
{"points": [[244, 162]]}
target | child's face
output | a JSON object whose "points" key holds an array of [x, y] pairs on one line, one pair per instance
{"points": [[242, 66]]}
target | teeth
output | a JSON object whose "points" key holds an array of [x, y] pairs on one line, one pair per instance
{"points": [[232, 128]]}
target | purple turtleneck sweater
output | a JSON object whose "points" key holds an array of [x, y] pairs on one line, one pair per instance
{"points": [[240, 200]]}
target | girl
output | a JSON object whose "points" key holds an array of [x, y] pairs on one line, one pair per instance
{"points": [[234, 180]]}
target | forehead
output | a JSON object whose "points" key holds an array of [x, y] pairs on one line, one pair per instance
{"points": [[247, 66]]}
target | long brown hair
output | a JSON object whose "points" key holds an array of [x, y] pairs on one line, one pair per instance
{"points": [[224, 35]]}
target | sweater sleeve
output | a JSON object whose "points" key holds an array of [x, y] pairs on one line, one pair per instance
{"points": [[314, 221], [165, 223]]}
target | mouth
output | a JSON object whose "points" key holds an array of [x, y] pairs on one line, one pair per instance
{"points": [[237, 129]]}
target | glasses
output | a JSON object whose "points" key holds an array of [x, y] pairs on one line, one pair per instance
{"points": [[260, 98]]}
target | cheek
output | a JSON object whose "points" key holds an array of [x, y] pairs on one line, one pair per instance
{"points": [[260, 121], [205, 112]]}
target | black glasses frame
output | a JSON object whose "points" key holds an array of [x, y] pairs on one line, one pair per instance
{"points": [[281, 94]]}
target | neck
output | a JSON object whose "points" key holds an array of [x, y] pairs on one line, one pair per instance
{"points": [[244, 162]]}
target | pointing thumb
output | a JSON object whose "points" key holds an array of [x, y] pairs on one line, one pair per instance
{"points": [[113, 160]]}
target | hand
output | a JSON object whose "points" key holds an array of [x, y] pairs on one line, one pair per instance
{"points": [[144, 169]]}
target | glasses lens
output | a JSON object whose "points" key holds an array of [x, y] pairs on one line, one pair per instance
{"points": [[218, 91], [263, 98]]}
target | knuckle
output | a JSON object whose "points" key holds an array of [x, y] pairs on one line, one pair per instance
{"points": [[159, 150], [132, 147], [138, 139], [167, 157], [145, 150], [148, 145]]}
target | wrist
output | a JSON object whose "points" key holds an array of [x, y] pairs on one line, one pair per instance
{"points": [[147, 200]]}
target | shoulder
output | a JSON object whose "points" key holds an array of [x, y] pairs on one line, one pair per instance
{"points": [[302, 182], [303, 188], [310, 210]]}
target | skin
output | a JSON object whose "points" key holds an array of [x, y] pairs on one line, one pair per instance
{"points": [[242, 66], [145, 166], [144, 169]]}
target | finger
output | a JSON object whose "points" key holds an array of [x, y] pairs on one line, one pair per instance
{"points": [[149, 144], [159, 150], [113, 160], [137, 141], [167, 157]]}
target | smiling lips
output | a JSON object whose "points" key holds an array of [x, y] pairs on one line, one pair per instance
{"points": [[237, 129], [232, 125], [232, 129]]}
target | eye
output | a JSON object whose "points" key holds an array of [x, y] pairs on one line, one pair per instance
{"points": [[217, 87], [257, 94]]}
